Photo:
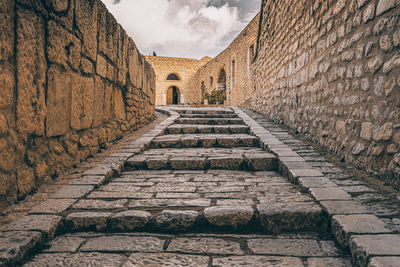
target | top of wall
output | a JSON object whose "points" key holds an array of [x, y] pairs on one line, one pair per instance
{"points": [[176, 59]]}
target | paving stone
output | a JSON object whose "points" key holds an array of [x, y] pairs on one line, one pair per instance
{"points": [[188, 163], [100, 170], [166, 259], [65, 244], [205, 245], [72, 191], [344, 226], [257, 261], [94, 204], [229, 216], [261, 162], [124, 244], [343, 207], [287, 247], [328, 262], [161, 203], [89, 180], [47, 224], [295, 173], [53, 206], [120, 187], [14, 245], [84, 220], [357, 189], [330, 193], [178, 195], [315, 182], [78, 259], [384, 262], [136, 162], [291, 216], [176, 220], [363, 247], [235, 202], [119, 195], [130, 220]]}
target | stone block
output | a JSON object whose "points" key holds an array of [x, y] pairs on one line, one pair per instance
{"points": [[344, 226], [63, 47], [283, 246], [205, 245], [85, 220], [384, 262], [82, 102], [228, 162], [116, 243], [7, 83], [65, 244], [52, 206], [188, 163], [26, 181], [385, 5], [119, 112], [363, 247], [6, 30], [47, 224], [95, 204], [72, 191], [331, 193], [343, 207], [15, 245], [167, 259], [261, 162], [86, 21], [174, 220], [257, 261], [58, 101], [108, 33], [157, 163], [290, 216], [31, 72], [229, 216], [130, 220], [77, 259], [337, 262]]}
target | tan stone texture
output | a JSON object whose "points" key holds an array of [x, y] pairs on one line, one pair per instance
{"points": [[86, 21], [82, 102], [31, 71], [58, 101], [6, 29], [329, 72]]}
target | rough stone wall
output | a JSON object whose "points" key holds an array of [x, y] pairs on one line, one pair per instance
{"points": [[71, 81], [331, 70], [185, 68], [239, 51]]}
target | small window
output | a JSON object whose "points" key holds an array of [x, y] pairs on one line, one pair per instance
{"points": [[172, 77], [211, 82]]}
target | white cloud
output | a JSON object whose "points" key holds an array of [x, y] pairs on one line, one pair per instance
{"points": [[183, 28]]}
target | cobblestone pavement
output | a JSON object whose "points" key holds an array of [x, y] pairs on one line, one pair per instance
{"points": [[209, 187]]}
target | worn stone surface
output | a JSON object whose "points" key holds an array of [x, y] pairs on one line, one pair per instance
{"points": [[205, 245], [170, 220], [84, 220], [343, 226], [293, 247], [364, 246], [123, 243], [384, 261], [78, 259], [257, 261], [167, 259], [229, 216], [130, 220]]}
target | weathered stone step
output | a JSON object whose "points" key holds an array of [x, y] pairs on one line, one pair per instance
{"points": [[229, 200], [201, 159], [204, 140], [205, 111], [206, 129], [209, 121], [224, 115]]}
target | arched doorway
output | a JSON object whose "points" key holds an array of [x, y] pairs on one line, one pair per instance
{"points": [[173, 96]]}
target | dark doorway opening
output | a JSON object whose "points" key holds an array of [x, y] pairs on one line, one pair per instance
{"points": [[173, 96]]}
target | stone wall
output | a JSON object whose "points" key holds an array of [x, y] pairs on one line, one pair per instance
{"points": [[331, 70], [71, 82], [185, 69], [238, 51]]}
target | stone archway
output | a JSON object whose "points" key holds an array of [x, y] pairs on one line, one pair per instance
{"points": [[173, 96]]}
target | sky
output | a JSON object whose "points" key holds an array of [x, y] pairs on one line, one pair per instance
{"points": [[183, 28]]}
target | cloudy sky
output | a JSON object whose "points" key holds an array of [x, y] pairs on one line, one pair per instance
{"points": [[183, 28]]}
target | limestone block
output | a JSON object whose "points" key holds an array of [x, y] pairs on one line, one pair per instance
{"points": [[366, 131], [58, 103], [31, 72], [82, 102], [86, 21], [86, 66], [57, 5], [108, 33], [385, 5], [130, 220], [6, 30], [383, 133], [174, 220], [101, 66], [63, 47], [133, 63], [229, 216], [98, 108], [118, 104], [7, 83], [25, 181]]}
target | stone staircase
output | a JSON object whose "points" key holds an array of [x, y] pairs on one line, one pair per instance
{"points": [[200, 189]]}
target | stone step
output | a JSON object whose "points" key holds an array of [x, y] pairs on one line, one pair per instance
{"points": [[204, 111], [184, 201], [209, 121], [225, 115], [200, 159], [206, 129], [204, 140]]}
